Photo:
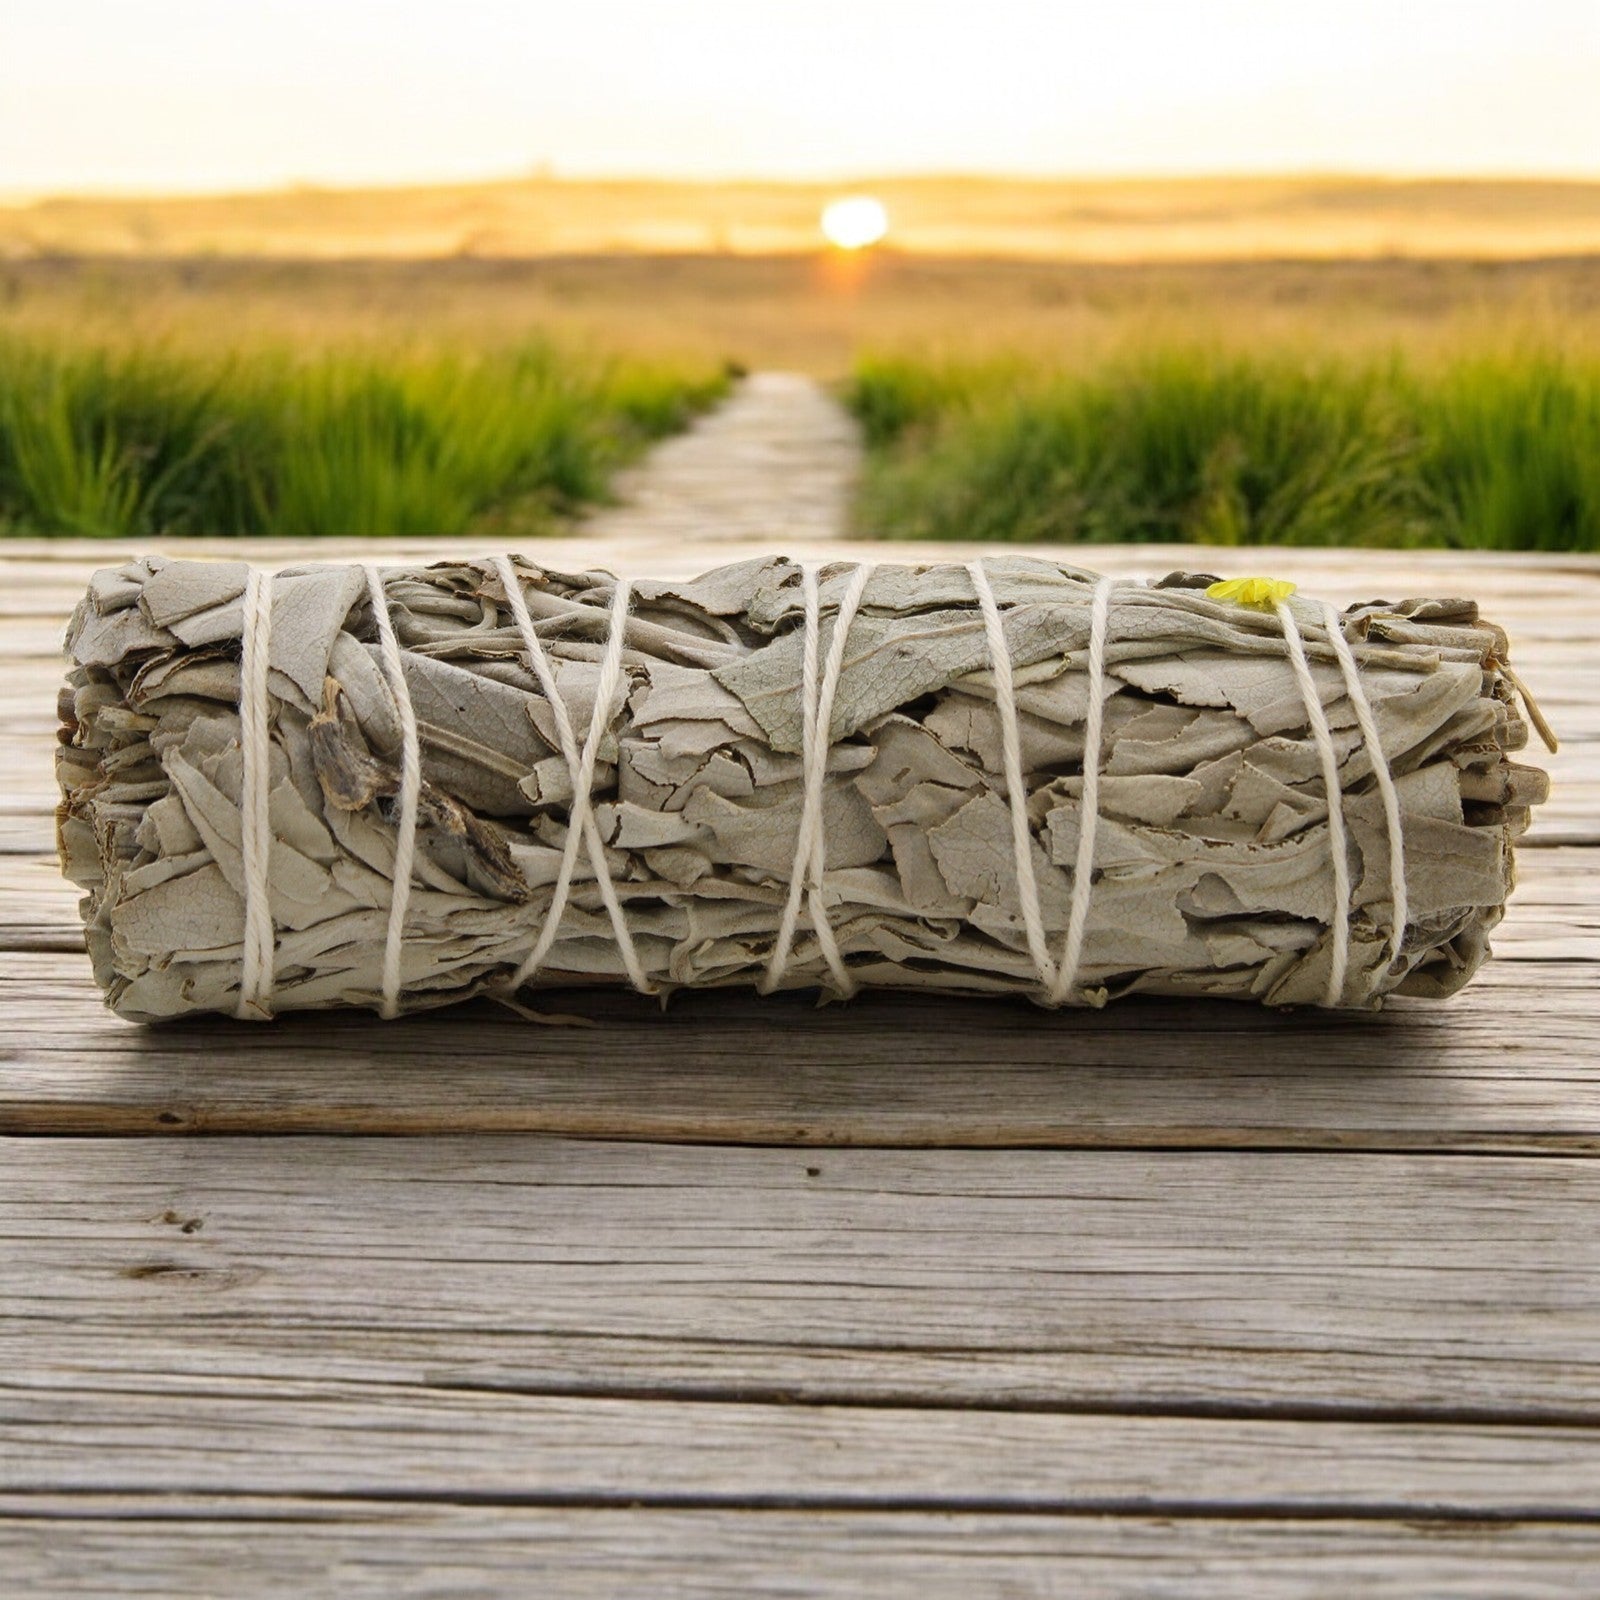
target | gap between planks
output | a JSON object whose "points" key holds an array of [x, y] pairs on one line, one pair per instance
{"points": [[331, 1441]]}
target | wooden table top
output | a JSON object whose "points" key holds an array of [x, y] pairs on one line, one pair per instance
{"points": [[749, 1298]]}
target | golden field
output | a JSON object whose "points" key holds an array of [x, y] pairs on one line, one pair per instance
{"points": [[734, 271], [1035, 218], [812, 312]]}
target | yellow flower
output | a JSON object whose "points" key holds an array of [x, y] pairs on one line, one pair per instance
{"points": [[1261, 594]]}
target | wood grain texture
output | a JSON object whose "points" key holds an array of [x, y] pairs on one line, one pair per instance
{"points": [[338, 1442], [376, 1550], [1296, 1285], [1512, 1064]]}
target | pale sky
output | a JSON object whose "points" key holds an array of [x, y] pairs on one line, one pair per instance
{"points": [[220, 94]]}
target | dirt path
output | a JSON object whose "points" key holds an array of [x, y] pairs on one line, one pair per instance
{"points": [[775, 464]]}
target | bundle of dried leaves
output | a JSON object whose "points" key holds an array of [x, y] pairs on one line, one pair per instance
{"points": [[1211, 857]]}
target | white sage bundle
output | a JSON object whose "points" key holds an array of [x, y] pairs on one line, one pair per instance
{"points": [[339, 787]]}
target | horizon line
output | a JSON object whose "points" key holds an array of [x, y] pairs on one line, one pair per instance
{"points": [[540, 173]]}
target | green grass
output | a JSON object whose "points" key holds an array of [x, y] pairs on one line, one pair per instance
{"points": [[126, 439], [1498, 450]]}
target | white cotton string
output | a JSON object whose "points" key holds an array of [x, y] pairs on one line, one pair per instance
{"points": [[811, 604], [1005, 699], [405, 838], [1380, 770], [255, 826], [1089, 795], [582, 827], [816, 762], [1323, 739], [817, 696]]}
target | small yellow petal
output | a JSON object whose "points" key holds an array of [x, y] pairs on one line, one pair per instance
{"points": [[1260, 594]]}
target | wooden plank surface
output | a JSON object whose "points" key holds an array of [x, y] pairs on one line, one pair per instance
{"points": [[1293, 1285], [209, 1339], [1513, 1064], [376, 1550], [906, 1297], [324, 1440]]}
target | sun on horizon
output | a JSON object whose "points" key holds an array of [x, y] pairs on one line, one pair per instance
{"points": [[854, 222]]}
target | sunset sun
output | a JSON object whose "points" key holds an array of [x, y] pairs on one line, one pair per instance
{"points": [[854, 222]]}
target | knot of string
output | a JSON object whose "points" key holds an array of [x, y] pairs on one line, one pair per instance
{"points": [[582, 826], [1056, 979], [405, 840], [818, 692], [1362, 706], [256, 974]]}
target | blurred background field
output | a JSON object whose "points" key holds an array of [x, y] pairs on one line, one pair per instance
{"points": [[812, 310], [1233, 361], [1031, 218], [1242, 272], [1042, 218]]}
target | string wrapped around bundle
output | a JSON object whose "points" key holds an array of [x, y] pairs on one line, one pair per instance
{"points": [[345, 787]]}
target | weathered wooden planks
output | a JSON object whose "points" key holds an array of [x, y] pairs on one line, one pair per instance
{"points": [[1514, 1063], [79, 1435], [1302, 1285], [376, 1550]]}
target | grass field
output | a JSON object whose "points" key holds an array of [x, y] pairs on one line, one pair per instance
{"points": [[1483, 449], [132, 438]]}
